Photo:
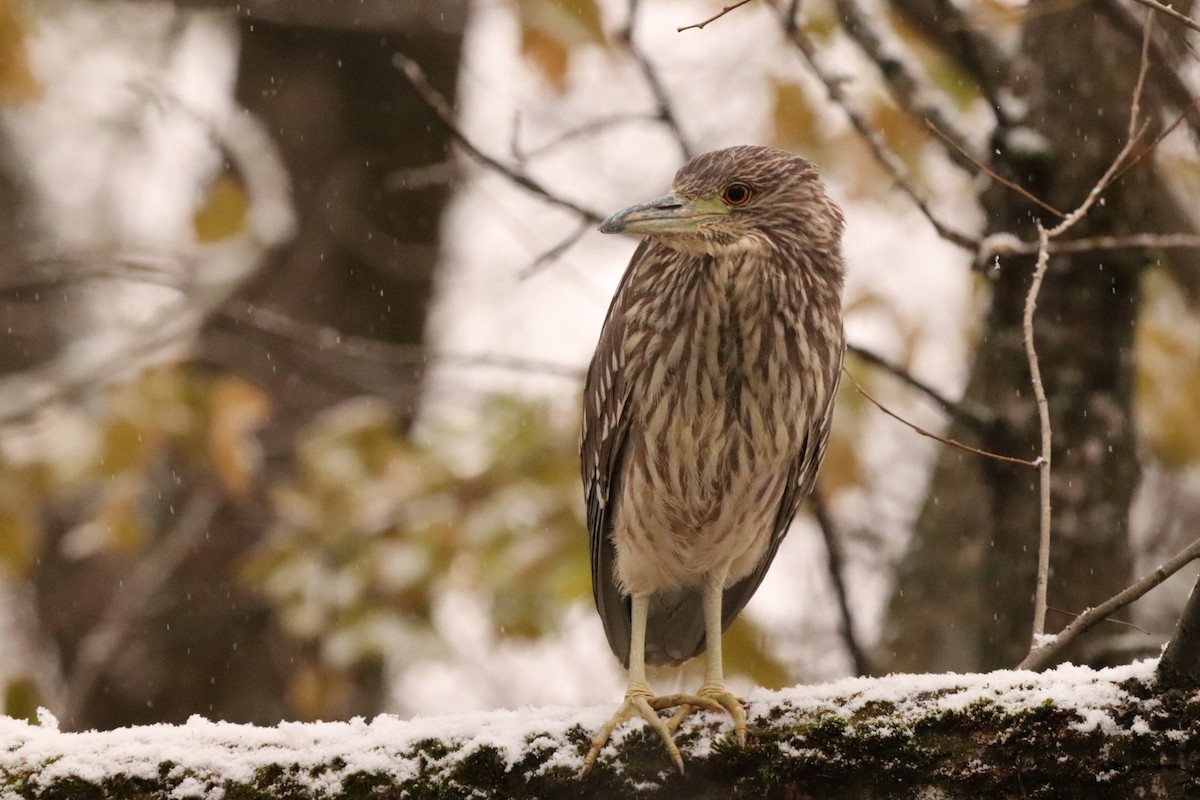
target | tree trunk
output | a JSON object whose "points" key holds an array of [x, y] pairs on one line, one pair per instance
{"points": [[964, 594]]}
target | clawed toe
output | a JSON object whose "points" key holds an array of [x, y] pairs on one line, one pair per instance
{"points": [[635, 705], [647, 706]]}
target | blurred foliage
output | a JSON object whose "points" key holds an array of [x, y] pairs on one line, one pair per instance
{"points": [[368, 526], [222, 213], [1168, 372], [101, 465], [17, 84], [551, 29]]}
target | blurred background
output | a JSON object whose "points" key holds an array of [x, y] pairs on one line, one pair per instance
{"points": [[291, 350]]}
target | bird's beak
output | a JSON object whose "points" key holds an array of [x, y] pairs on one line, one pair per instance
{"points": [[668, 214]]}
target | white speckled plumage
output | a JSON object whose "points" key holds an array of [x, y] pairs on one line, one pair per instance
{"points": [[708, 402]]}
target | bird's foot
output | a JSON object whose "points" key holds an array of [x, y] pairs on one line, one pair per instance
{"points": [[718, 699], [641, 702]]}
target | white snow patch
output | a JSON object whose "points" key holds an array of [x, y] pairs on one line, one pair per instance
{"points": [[205, 754]]}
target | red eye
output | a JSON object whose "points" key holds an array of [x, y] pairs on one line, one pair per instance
{"points": [[736, 194]]}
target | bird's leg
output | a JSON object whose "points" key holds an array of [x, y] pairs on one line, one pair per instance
{"points": [[713, 689], [639, 698]]}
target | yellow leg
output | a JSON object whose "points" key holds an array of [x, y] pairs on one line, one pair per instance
{"points": [[639, 699], [713, 688]]}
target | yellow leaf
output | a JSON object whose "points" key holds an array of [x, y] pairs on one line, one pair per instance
{"points": [[795, 120], [21, 699], [19, 534], [237, 409], [1168, 373], [223, 213], [551, 28], [17, 84]]}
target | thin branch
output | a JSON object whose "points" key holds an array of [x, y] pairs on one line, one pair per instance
{"points": [[131, 601], [588, 128], [1043, 408], [700, 25], [1008, 245], [1183, 19], [323, 338], [1135, 130], [833, 551], [909, 90], [879, 149], [952, 442], [991, 173], [954, 409], [555, 252], [665, 110], [439, 105], [1075, 614], [1040, 657]]}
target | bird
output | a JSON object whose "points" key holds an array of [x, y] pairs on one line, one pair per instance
{"points": [[706, 412]]}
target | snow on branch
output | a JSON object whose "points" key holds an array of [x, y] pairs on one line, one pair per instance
{"points": [[1073, 732]]}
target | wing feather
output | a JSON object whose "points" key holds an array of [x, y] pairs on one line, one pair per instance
{"points": [[601, 451]]}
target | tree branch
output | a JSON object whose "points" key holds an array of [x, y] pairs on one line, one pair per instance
{"points": [[952, 442], [713, 18], [665, 108], [879, 149], [833, 552], [130, 602], [1043, 408], [1135, 130], [956, 410], [438, 104], [1183, 19], [909, 90], [1049, 648]]}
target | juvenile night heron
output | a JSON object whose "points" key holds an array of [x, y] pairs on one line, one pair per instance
{"points": [[706, 412]]}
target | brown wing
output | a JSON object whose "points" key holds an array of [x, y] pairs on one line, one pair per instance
{"points": [[801, 479], [601, 448]]}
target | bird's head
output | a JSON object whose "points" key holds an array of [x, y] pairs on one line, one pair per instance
{"points": [[747, 199]]}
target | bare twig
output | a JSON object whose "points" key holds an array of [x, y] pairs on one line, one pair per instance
{"points": [[952, 442], [1183, 19], [991, 173], [833, 550], [879, 149], [1135, 130], [665, 109], [955, 410], [700, 25], [320, 337], [1040, 657], [1075, 614], [588, 128], [910, 91], [439, 105], [132, 600], [552, 255], [1043, 407], [1008, 245]]}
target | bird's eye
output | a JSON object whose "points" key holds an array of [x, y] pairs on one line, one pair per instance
{"points": [[736, 194]]}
